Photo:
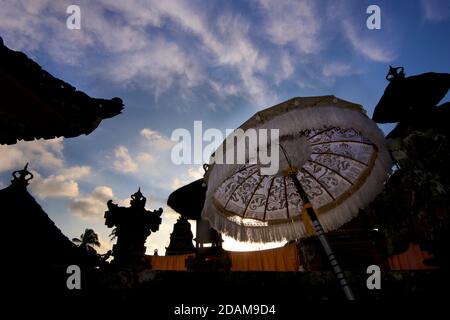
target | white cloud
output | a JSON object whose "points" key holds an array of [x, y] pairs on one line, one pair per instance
{"points": [[27, 24], [105, 244], [38, 153], [177, 183], [157, 139], [287, 67], [244, 57], [196, 173], [93, 205], [75, 172], [61, 185], [145, 157], [44, 155], [138, 13], [192, 174], [133, 49], [124, 162], [227, 42], [436, 10], [336, 69], [293, 22], [164, 45], [366, 46], [151, 134], [167, 61], [224, 89], [159, 65], [54, 186]]}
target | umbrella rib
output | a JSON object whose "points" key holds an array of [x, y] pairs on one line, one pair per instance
{"points": [[342, 141], [336, 172], [268, 195], [286, 198], [240, 184], [251, 197], [320, 183], [315, 135], [341, 155]]}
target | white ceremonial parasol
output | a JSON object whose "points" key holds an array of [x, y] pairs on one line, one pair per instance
{"points": [[333, 162]]}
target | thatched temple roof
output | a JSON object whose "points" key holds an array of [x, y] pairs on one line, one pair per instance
{"points": [[34, 104]]}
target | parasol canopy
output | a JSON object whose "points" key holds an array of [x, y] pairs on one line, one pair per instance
{"points": [[340, 159]]}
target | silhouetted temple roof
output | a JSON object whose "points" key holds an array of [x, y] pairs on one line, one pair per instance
{"points": [[409, 97], [188, 200], [37, 105], [29, 236]]}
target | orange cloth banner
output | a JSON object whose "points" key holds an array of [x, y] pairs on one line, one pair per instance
{"points": [[280, 259], [170, 263], [411, 259]]}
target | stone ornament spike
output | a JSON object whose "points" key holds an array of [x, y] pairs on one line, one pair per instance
{"points": [[395, 73], [22, 177]]}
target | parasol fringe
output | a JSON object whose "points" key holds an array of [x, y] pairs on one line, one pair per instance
{"points": [[270, 233]]}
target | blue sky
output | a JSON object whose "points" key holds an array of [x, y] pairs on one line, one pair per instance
{"points": [[173, 62]]}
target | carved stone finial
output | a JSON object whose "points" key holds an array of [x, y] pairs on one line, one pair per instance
{"points": [[395, 73], [138, 199], [22, 177]]}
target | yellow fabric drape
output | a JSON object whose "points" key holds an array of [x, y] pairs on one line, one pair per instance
{"points": [[170, 263], [280, 259]]}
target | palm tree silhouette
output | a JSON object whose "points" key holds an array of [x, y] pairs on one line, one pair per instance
{"points": [[88, 240], [113, 234]]}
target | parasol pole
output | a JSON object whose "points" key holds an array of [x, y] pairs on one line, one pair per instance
{"points": [[292, 173], [323, 239]]}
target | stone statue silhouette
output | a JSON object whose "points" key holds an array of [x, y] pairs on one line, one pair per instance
{"points": [[133, 225]]}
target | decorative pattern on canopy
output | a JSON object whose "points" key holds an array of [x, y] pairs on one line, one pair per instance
{"points": [[339, 160]]}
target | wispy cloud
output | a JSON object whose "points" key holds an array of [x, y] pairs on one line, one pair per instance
{"points": [[292, 22], [39, 153], [92, 206], [160, 46], [336, 69], [134, 51], [156, 139], [192, 174], [124, 163], [44, 155], [287, 67], [436, 10], [226, 42], [367, 46], [61, 185]]}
